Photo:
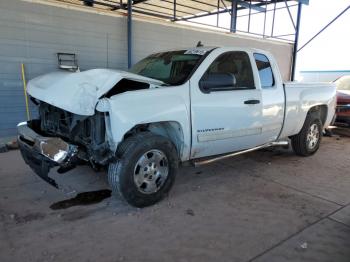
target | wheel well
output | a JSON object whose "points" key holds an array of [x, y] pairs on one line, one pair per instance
{"points": [[169, 129], [321, 110]]}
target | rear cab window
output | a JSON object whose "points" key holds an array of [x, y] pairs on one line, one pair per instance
{"points": [[266, 76]]}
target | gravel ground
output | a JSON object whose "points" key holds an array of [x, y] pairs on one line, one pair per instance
{"points": [[264, 206]]}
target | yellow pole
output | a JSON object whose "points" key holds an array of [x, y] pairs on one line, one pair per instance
{"points": [[25, 92]]}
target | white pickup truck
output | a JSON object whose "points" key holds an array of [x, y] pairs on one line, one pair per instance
{"points": [[200, 105]]}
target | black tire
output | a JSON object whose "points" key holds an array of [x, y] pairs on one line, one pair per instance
{"points": [[300, 143], [121, 172]]}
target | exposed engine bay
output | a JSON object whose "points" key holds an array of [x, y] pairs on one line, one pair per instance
{"points": [[71, 137], [87, 132]]}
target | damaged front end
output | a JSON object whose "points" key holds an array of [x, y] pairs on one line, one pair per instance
{"points": [[69, 131], [63, 139]]}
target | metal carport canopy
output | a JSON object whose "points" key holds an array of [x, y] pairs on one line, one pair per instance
{"points": [[187, 10], [179, 9]]}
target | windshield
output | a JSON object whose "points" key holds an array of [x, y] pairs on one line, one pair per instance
{"points": [[172, 68], [343, 83]]}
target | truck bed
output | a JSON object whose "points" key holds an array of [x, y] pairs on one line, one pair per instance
{"points": [[300, 97]]}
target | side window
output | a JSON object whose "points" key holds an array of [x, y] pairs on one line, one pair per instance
{"points": [[265, 71], [229, 71]]}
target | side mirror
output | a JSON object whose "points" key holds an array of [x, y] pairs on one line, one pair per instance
{"points": [[217, 82]]}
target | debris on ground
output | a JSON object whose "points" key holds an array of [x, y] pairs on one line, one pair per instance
{"points": [[304, 245], [170, 205], [328, 132], [340, 131], [12, 145], [189, 212], [3, 148], [6, 146]]}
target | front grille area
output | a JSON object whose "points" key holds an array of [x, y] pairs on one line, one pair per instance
{"points": [[55, 120], [77, 129]]}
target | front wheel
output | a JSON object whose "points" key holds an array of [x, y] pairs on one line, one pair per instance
{"points": [[145, 169], [308, 140]]}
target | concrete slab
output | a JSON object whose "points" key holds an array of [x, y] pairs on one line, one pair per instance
{"points": [[323, 242], [228, 211], [325, 175], [342, 216]]}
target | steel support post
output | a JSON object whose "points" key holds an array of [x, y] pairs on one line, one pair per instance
{"points": [[129, 33], [233, 26], [296, 40]]}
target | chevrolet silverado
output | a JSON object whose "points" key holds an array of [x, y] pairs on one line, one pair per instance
{"points": [[193, 105]]}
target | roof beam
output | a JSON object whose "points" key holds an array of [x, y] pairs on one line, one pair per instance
{"points": [[290, 14], [159, 15], [123, 6], [203, 3], [168, 8], [91, 3], [228, 10], [135, 2], [183, 5], [248, 5]]}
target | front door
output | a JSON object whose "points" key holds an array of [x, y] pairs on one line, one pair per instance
{"points": [[226, 107]]}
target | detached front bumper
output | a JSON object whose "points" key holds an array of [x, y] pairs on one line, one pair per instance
{"points": [[42, 153]]}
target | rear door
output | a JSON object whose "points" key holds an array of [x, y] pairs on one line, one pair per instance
{"points": [[229, 118], [272, 92]]}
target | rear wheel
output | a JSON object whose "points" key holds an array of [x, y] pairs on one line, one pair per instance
{"points": [[145, 170], [308, 140]]}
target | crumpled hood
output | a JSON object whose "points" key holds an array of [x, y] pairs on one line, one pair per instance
{"points": [[78, 92]]}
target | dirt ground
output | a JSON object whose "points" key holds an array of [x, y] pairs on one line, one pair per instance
{"points": [[264, 206]]}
